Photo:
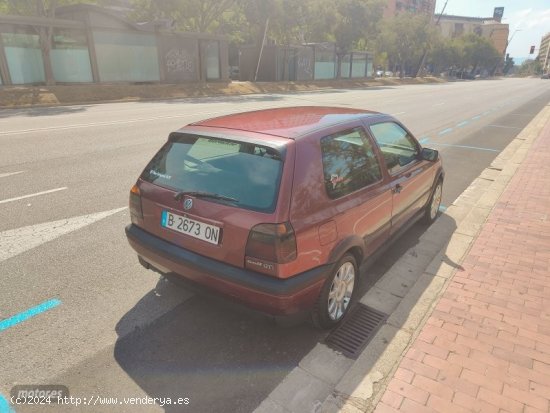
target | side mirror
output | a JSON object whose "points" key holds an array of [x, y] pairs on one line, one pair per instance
{"points": [[428, 154]]}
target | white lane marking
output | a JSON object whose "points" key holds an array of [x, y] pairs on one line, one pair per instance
{"points": [[16, 241], [119, 122], [439, 104], [10, 174], [31, 195], [503, 126]]}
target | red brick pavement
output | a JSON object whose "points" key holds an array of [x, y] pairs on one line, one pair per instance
{"points": [[486, 346]]}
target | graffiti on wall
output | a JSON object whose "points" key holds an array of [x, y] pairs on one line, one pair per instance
{"points": [[304, 64], [179, 60]]}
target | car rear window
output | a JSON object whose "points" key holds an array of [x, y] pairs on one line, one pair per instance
{"points": [[247, 172]]}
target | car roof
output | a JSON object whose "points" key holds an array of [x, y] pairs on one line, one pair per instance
{"points": [[288, 122]]}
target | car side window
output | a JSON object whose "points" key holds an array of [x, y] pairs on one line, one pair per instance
{"points": [[397, 146], [349, 162]]}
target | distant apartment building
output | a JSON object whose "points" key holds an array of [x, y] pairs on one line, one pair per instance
{"points": [[489, 27], [394, 7], [544, 52]]}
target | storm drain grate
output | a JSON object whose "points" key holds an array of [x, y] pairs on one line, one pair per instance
{"points": [[353, 335]]}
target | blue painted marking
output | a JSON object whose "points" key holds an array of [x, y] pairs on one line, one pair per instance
{"points": [[466, 147], [486, 113], [424, 140], [445, 131], [442, 208], [5, 406], [476, 117], [31, 312], [463, 123], [164, 218]]}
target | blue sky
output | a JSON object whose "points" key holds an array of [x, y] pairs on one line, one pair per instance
{"points": [[531, 17]]}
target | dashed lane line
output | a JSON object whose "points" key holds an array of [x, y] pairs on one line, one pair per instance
{"points": [[49, 191], [4, 175]]}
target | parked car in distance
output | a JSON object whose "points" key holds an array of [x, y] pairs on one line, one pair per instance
{"points": [[278, 208], [545, 76]]}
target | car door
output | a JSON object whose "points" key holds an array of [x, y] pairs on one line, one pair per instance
{"points": [[411, 177], [353, 181]]}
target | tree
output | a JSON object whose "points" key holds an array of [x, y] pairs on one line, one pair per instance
{"points": [[530, 67], [404, 38], [356, 19], [508, 64], [188, 15]]}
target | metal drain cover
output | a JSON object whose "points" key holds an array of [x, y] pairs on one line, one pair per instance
{"points": [[352, 336]]}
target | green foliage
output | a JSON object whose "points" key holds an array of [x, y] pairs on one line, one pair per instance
{"points": [[469, 52], [35, 7], [530, 68], [405, 38], [188, 15]]}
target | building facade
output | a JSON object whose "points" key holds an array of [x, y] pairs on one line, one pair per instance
{"points": [[394, 7], [544, 53], [490, 28], [90, 44]]}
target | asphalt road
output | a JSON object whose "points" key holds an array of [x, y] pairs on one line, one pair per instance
{"points": [[109, 328]]}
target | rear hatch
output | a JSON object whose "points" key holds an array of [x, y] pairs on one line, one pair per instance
{"points": [[204, 192]]}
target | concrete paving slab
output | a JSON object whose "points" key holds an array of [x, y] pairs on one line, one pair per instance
{"points": [[475, 219], [380, 300], [269, 406], [326, 364], [397, 281], [417, 303], [300, 392], [456, 212]]}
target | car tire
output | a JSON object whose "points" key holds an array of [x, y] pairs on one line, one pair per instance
{"points": [[432, 208], [337, 295]]}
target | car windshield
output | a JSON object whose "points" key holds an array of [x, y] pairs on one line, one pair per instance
{"points": [[237, 173]]}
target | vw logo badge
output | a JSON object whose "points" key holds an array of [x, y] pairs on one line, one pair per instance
{"points": [[188, 203]]}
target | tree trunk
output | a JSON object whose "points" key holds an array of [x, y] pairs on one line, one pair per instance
{"points": [[45, 45]]}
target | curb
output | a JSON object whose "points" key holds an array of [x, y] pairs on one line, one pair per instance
{"points": [[328, 382]]}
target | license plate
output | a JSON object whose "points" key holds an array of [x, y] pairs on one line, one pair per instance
{"points": [[191, 227]]}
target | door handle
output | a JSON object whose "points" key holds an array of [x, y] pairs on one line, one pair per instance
{"points": [[397, 189]]}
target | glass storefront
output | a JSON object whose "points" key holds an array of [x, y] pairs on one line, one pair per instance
{"points": [[126, 57], [70, 57], [359, 65], [325, 62], [345, 66], [211, 50], [24, 57]]}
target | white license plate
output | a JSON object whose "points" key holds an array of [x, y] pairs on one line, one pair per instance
{"points": [[191, 227]]}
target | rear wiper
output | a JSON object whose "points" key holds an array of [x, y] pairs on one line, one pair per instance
{"points": [[202, 194]]}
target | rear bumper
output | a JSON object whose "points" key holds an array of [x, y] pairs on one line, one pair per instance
{"points": [[268, 294]]}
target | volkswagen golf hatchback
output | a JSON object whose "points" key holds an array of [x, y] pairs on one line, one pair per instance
{"points": [[278, 208]]}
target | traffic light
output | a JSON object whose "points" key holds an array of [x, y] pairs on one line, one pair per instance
{"points": [[532, 50]]}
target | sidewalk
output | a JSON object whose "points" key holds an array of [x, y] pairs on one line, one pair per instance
{"points": [[486, 345]]}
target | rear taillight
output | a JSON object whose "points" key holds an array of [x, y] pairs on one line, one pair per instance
{"points": [[275, 243], [135, 204]]}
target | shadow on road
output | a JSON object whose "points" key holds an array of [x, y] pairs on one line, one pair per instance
{"points": [[37, 111], [219, 355]]}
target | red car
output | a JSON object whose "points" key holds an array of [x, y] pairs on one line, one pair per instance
{"points": [[278, 208]]}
